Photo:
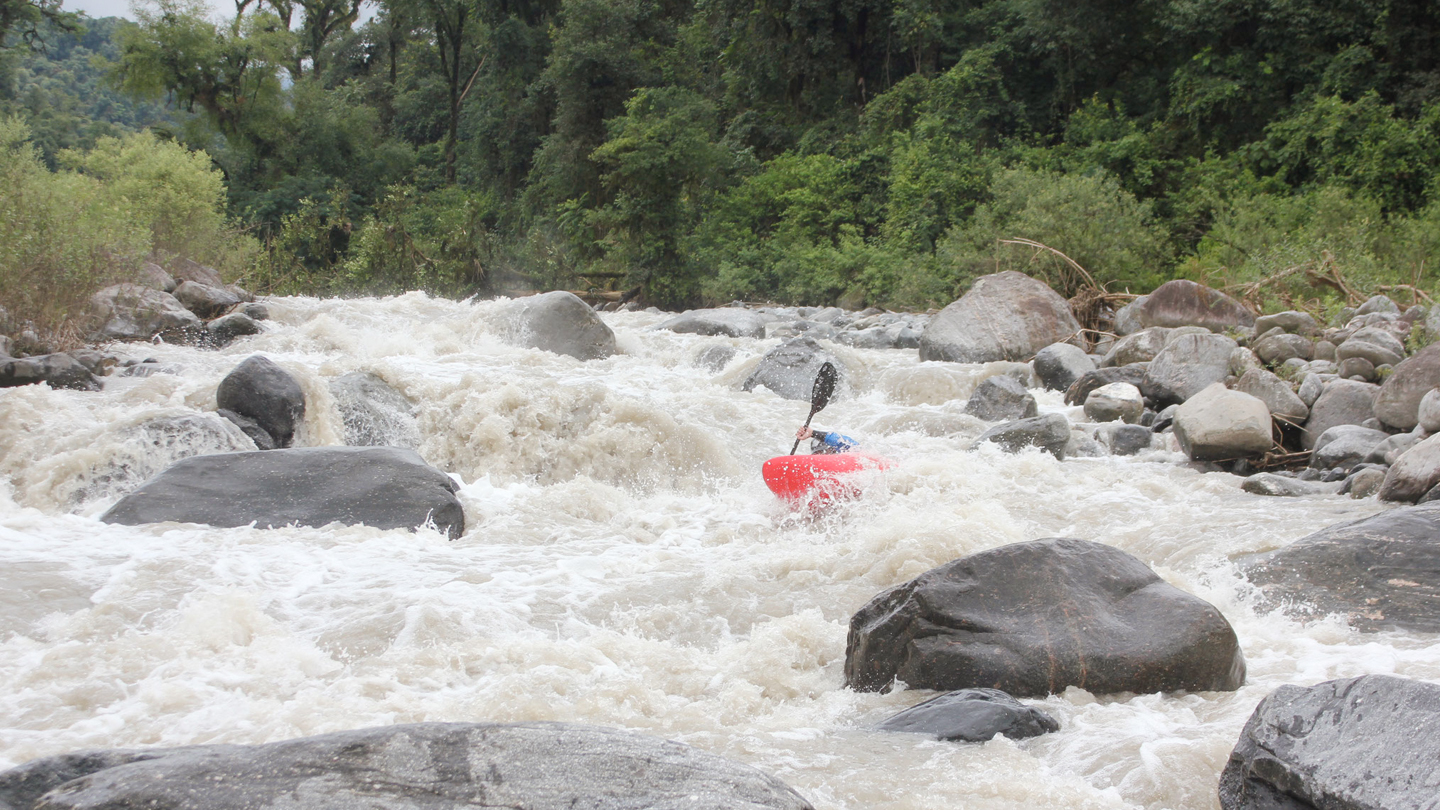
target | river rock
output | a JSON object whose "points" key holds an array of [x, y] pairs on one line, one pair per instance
{"points": [[204, 300], [1116, 401], [133, 312], [1083, 445], [789, 369], [1004, 316], [1185, 367], [228, 328], [1378, 303], [1380, 572], [1277, 395], [374, 413], [154, 276], [1364, 482], [58, 370], [972, 715], [251, 428], [1378, 346], [1353, 744], [382, 487], [1218, 423], [1050, 433], [1343, 402], [1293, 321], [1357, 368], [1138, 347], [1280, 486], [1277, 349], [1184, 303], [1414, 473], [1398, 402], [184, 269], [260, 390], [1034, 618], [1124, 440], [421, 766], [714, 358], [1061, 364], [1393, 446], [726, 321], [1427, 415], [1344, 446], [559, 322], [1001, 398], [1080, 390]]}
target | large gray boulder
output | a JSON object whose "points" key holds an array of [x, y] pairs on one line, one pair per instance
{"points": [[229, 328], [133, 312], [1361, 743], [1218, 423], [790, 368], [726, 321], [205, 300], [1343, 402], [1293, 321], [1345, 446], [1277, 395], [1414, 473], [59, 370], [1139, 347], [1034, 618], [1184, 303], [1050, 433], [374, 413], [1001, 398], [421, 766], [1060, 364], [1004, 316], [560, 322], [1380, 572], [260, 390], [972, 715], [1398, 402], [382, 487], [1187, 366]]}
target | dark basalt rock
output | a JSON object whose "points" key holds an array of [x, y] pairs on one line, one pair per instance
{"points": [[1050, 433], [972, 715], [1380, 572], [1033, 618], [1061, 364], [1354, 744], [790, 368], [260, 390], [422, 766], [383, 487], [59, 370]]}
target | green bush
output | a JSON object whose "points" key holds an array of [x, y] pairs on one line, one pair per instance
{"points": [[440, 241]]}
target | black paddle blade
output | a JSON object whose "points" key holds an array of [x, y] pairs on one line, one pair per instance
{"points": [[819, 395]]}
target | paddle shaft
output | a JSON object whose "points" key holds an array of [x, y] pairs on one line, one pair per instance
{"points": [[813, 411], [819, 396]]}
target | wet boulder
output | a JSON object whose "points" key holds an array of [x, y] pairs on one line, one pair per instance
{"points": [[1186, 366], [1061, 364], [1050, 433], [1001, 398], [1414, 473], [714, 358], [560, 322], [972, 715], [1342, 402], [58, 370], [1380, 572], [1277, 395], [1124, 440], [790, 368], [1345, 446], [1283, 486], [724, 321], [1221, 424], [1352, 744], [204, 300], [228, 328], [1004, 316], [133, 312], [420, 766], [374, 413], [1079, 391], [1398, 402], [260, 390], [1184, 303], [1034, 618], [1115, 402], [1139, 347], [381, 487]]}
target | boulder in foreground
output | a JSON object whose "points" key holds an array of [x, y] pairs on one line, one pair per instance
{"points": [[1004, 316], [1379, 572], [1352, 744], [1034, 618], [422, 766], [383, 487]]}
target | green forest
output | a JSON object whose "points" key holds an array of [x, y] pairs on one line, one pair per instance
{"points": [[692, 152]]}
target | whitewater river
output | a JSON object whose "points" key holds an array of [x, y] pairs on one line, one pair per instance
{"points": [[623, 565]]}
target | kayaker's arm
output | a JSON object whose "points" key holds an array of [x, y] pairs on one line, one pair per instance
{"points": [[839, 441]]}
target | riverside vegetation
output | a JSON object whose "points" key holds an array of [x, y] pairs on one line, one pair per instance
{"points": [[864, 153]]}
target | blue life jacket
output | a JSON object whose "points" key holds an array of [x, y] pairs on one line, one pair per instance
{"points": [[832, 442]]}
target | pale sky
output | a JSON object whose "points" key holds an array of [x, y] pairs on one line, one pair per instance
{"points": [[121, 8]]}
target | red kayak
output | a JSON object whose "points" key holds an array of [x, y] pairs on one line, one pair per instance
{"points": [[822, 477]]}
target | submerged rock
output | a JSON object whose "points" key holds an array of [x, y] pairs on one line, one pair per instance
{"points": [[421, 766], [727, 321], [972, 715], [374, 414], [1354, 744], [1050, 433], [1034, 618], [999, 398], [790, 368]]}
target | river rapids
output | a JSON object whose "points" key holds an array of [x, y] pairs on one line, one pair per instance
{"points": [[623, 565]]}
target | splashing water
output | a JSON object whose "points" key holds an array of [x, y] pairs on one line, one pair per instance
{"points": [[623, 565]]}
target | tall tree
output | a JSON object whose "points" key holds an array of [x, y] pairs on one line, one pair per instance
{"points": [[25, 21]]}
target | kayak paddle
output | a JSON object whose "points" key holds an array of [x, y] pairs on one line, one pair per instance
{"points": [[819, 395]]}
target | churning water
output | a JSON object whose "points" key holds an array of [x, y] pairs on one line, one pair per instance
{"points": [[623, 565]]}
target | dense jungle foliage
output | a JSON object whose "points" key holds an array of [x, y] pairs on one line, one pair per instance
{"points": [[801, 151]]}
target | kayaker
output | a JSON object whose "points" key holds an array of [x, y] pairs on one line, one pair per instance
{"points": [[823, 443]]}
